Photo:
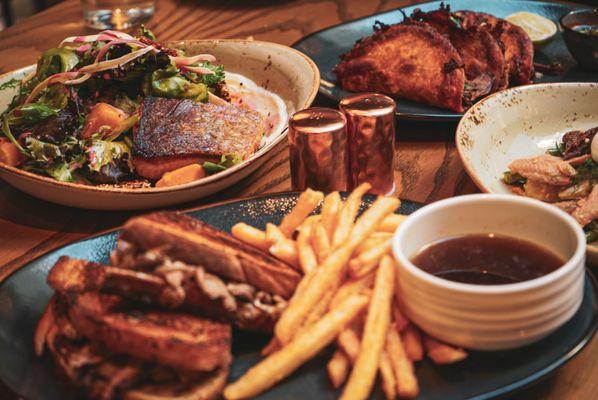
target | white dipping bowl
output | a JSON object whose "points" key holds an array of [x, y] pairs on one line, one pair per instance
{"points": [[491, 317]]}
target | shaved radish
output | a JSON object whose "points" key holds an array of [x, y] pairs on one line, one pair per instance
{"points": [[84, 48], [56, 78], [102, 36], [108, 45], [198, 70], [184, 61], [117, 62]]}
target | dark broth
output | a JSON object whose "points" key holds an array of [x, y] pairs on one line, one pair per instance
{"points": [[486, 259]]}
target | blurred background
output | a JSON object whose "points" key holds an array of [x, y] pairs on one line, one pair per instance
{"points": [[15, 10]]}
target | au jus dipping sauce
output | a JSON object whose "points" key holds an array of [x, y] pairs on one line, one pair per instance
{"points": [[486, 259]]}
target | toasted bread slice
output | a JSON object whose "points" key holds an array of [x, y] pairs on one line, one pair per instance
{"points": [[195, 242], [170, 339]]}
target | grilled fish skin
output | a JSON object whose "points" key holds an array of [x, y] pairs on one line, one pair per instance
{"points": [[175, 127], [410, 60]]}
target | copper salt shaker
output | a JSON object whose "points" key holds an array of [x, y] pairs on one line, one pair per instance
{"points": [[318, 149], [371, 138]]}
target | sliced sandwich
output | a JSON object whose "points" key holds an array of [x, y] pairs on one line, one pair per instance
{"points": [[106, 348], [178, 262]]}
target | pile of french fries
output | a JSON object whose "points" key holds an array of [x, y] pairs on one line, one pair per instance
{"points": [[347, 297]]}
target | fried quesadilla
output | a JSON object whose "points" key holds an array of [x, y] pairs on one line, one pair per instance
{"points": [[440, 58]]}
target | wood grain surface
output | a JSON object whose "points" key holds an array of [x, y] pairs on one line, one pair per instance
{"points": [[428, 166]]}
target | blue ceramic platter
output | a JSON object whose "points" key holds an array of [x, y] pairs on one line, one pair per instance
{"points": [[325, 47], [24, 295]]}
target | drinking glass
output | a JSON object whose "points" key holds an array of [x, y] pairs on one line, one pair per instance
{"points": [[117, 14]]}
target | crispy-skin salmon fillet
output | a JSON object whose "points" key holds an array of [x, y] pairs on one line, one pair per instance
{"points": [[173, 133], [410, 60]]}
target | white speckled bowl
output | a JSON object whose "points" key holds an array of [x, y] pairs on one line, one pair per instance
{"points": [[280, 69], [522, 122]]}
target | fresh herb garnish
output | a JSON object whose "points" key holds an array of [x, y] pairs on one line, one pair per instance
{"points": [[10, 84]]}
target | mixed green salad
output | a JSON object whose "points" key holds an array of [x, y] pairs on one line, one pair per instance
{"points": [[73, 117]]}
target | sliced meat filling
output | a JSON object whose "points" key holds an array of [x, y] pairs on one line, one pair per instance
{"points": [[192, 286]]}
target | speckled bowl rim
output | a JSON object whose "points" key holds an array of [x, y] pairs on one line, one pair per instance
{"points": [[315, 84], [459, 132]]}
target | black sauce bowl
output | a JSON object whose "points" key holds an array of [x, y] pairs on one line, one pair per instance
{"points": [[582, 46]]}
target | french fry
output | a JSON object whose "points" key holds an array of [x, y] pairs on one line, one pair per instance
{"points": [[407, 385], [338, 368], [377, 322], [349, 342], [368, 221], [352, 287], [274, 234], [367, 261], [412, 342], [442, 353], [307, 202], [281, 247], [401, 320], [315, 314], [347, 214], [330, 209], [250, 235], [286, 251], [375, 239], [320, 241], [307, 255], [272, 346], [391, 223], [323, 279], [328, 275], [282, 363], [389, 383]]}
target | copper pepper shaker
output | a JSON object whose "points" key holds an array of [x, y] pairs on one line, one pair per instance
{"points": [[371, 138], [318, 149]]}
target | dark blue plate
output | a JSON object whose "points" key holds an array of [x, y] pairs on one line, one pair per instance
{"points": [[24, 295], [324, 47]]}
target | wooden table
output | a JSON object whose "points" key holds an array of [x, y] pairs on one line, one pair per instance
{"points": [[428, 165]]}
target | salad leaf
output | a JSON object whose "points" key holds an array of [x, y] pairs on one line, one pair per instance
{"points": [[56, 96], [511, 178], [586, 171], [170, 83], [61, 172], [226, 161], [216, 77], [29, 114], [55, 60], [8, 134], [102, 153], [212, 168], [591, 231], [10, 84], [557, 150], [146, 32], [44, 152]]}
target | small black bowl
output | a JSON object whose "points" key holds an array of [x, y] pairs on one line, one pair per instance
{"points": [[583, 46]]}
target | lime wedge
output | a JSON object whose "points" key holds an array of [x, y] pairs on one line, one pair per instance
{"points": [[539, 28]]}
